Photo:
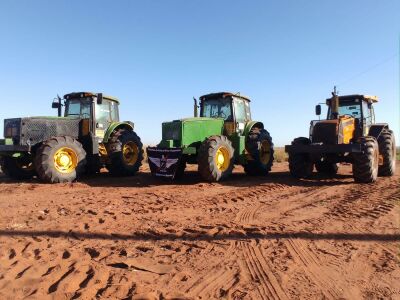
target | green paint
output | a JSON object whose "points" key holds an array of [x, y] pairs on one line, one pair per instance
{"points": [[116, 125]]}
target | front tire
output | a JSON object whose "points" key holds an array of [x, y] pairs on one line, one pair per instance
{"points": [[366, 163], [387, 148], [125, 152], [300, 164], [60, 159], [259, 145], [216, 158], [18, 167]]}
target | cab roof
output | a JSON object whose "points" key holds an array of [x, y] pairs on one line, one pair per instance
{"points": [[89, 94], [223, 95], [367, 98]]}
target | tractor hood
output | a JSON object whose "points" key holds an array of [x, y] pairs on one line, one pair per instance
{"points": [[185, 132], [32, 130]]}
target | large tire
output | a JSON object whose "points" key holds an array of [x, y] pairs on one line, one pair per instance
{"points": [[365, 163], [18, 167], [300, 164], [125, 152], [216, 158], [326, 167], [260, 147], [387, 149], [60, 159]]}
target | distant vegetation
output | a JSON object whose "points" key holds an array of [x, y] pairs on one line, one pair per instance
{"points": [[398, 153], [280, 155]]}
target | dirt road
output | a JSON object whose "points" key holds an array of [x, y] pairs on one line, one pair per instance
{"points": [[246, 238]]}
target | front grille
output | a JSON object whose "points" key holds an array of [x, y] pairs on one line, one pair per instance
{"points": [[172, 130], [325, 132], [35, 130]]}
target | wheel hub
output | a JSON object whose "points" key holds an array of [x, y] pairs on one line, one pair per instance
{"points": [[265, 152], [222, 159], [65, 160], [130, 153]]}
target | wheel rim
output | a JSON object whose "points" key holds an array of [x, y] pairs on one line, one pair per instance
{"points": [[222, 159], [130, 153], [265, 152], [65, 160]]}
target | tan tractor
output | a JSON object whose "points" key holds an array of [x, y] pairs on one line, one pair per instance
{"points": [[349, 134]]}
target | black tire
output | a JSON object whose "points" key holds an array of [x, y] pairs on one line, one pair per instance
{"points": [[300, 164], [365, 163], [47, 168], [18, 167], [124, 163], [180, 171], [387, 148], [255, 146], [326, 167], [207, 158]]}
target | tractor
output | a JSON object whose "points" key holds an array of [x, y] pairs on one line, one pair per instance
{"points": [[350, 135], [59, 149], [223, 135]]}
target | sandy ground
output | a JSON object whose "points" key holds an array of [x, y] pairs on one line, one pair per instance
{"points": [[246, 238]]}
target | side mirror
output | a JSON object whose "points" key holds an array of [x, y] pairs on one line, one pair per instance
{"points": [[318, 110], [55, 105], [99, 98]]}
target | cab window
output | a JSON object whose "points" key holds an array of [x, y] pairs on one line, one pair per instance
{"points": [[78, 107], [242, 110], [217, 108]]}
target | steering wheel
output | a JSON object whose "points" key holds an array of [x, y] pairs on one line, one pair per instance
{"points": [[85, 116], [222, 115]]}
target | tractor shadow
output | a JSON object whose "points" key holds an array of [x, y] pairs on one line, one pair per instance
{"points": [[144, 179], [152, 236]]}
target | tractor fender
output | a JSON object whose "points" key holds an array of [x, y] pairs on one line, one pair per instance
{"points": [[117, 125], [376, 129], [249, 126]]}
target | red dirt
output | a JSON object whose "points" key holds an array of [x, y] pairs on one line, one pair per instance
{"points": [[246, 238]]}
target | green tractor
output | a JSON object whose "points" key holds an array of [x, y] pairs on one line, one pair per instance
{"points": [[59, 149], [222, 136]]}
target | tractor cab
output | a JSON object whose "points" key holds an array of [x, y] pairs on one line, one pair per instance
{"points": [[233, 108], [100, 110], [356, 109]]}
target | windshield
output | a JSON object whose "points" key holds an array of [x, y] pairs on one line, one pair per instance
{"points": [[217, 108], [78, 107], [350, 108]]}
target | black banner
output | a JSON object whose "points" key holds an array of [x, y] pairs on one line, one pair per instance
{"points": [[164, 162]]}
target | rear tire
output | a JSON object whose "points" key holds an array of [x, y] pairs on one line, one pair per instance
{"points": [[18, 167], [216, 158], [326, 167], [125, 152], [60, 159], [387, 148], [259, 145], [300, 164], [365, 164]]}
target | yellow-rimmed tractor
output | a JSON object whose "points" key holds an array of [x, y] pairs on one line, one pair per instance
{"points": [[223, 135], [59, 149], [349, 134]]}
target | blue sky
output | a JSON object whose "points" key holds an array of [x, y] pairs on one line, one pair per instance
{"points": [[156, 55]]}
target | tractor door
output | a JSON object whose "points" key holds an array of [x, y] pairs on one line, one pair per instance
{"points": [[105, 114], [241, 111], [367, 117]]}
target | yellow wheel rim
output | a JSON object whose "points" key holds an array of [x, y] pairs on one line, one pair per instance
{"points": [[65, 160], [265, 152], [130, 153], [222, 159]]}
